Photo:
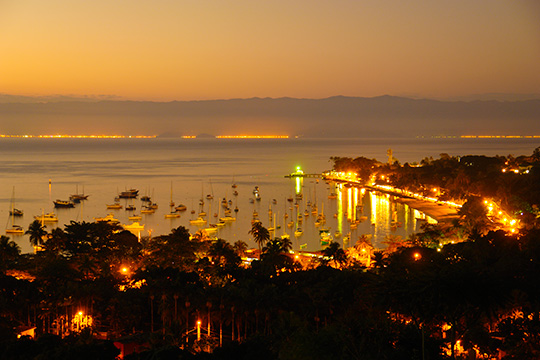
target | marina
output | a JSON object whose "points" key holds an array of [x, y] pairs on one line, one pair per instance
{"points": [[140, 164]]}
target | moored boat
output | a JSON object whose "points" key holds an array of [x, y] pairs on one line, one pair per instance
{"points": [[63, 204], [129, 194], [47, 218], [147, 210], [16, 212], [135, 217], [199, 221], [109, 218], [15, 230], [181, 207], [114, 206]]}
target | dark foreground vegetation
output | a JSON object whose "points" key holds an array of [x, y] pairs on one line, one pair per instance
{"points": [[92, 290]]}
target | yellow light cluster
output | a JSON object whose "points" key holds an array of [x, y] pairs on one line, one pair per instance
{"points": [[189, 137], [58, 136], [495, 212], [252, 137], [500, 136]]}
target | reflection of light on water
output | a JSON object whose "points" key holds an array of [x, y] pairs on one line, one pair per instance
{"points": [[407, 218], [380, 209], [299, 181], [340, 210], [355, 203], [349, 204]]}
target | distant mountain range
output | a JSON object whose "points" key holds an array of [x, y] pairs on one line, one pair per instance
{"points": [[339, 116]]}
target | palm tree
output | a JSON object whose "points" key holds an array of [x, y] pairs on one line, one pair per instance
{"points": [[260, 234], [9, 251], [37, 232], [336, 253], [240, 247]]}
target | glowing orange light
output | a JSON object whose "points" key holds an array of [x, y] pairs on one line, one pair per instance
{"points": [[417, 256]]}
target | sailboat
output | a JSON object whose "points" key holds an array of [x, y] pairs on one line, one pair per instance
{"points": [[211, 195], [172, 214], [76, 198], [14, 229]]}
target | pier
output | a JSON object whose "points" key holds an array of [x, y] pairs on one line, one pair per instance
{"points": [[300, 173]]}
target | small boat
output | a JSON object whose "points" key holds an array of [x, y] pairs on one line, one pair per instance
{"points": [[129, 194], [153, 206], [306, 213], [199, 221], [115, 206], [147, 210], [298, 232], [146, 198], [235, 193], [135, 217], [212, 230], [16, 212], [236, 209], [290, 199], [227, 219], [47, 218], [325, 236], [251, 201], [290, 224], [76, 198], [220, 223], [181, 207], [274, 201], [202, 214], [130, 208], [224, 202], [63, 204], [14, 229], [109, 218], [172, 215]]}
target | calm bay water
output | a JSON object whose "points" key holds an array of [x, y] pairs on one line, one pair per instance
{"points": [[197, 167]]}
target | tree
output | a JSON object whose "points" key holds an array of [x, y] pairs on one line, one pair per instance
{"points": [[335, 253], [260, 234], [37, 232], [9, 252]]}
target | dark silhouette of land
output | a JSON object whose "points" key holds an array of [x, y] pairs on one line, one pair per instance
{"points": [[340, 116]]}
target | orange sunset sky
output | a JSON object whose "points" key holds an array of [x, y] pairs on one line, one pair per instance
{"points": [[187, 50]]}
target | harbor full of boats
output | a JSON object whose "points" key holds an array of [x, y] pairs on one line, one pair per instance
{"points": [[311, 212]]}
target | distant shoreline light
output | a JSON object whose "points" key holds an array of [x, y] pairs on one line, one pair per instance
{"points": [[481, 137], [58, 136], [252, 137], [500, 136]]}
